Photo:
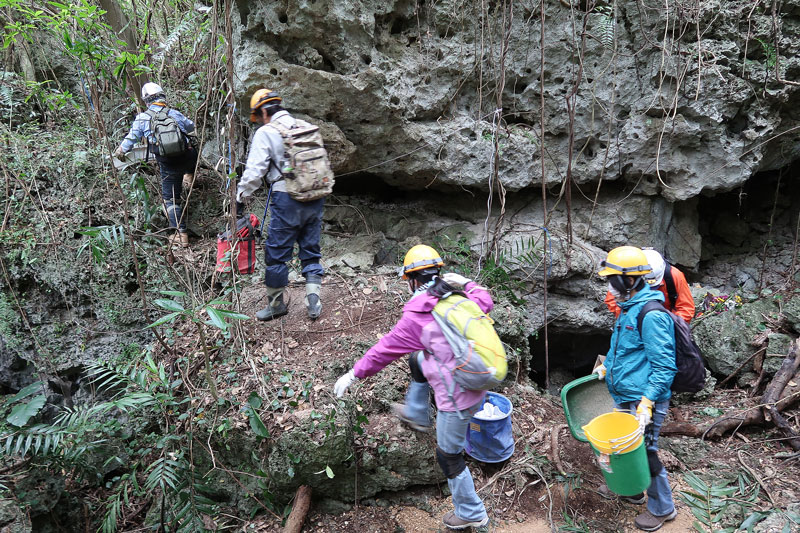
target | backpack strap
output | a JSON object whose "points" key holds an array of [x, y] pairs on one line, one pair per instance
{"points": [[649, 306], [672, 291], [283, 131]]}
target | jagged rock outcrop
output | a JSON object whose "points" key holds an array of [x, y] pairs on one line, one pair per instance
{"points": [[671, 113]]}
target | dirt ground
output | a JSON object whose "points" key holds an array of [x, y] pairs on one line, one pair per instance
{"points": [[525, 494]]}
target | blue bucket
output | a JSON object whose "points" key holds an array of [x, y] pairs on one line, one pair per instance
{"points": [[491, 441]]}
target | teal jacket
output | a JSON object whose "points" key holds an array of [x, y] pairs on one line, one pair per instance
{"points": [[641, 365]]}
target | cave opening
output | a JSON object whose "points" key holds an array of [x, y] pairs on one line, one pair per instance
{"points": [[572, 355], [369, 185], [749, 233]]}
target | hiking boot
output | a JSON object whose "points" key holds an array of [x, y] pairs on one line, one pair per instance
{"points": [[647, 521], [637, 499], [276, 307], [313, 305], [398, 410], [179, 238], [453, 522]]}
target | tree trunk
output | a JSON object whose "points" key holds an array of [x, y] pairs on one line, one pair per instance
{"points": [[119, 23], [302, 502]]}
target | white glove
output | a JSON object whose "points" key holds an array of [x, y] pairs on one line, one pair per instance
{"points": [[119, 154], [457, 281], [644, 412], [343, 383], [600, 371]]}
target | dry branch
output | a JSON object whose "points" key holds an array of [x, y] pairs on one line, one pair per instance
{"points": [[302, 502]]}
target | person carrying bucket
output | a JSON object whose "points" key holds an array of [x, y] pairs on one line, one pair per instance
{"points": [[418, 332], [639, 369]]}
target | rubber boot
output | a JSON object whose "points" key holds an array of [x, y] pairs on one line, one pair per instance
{"points": [[276, 307], [313, 304], [416, 411]]}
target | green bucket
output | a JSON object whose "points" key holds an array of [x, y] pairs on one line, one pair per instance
{"points": [[583, 400], [618, 445]]}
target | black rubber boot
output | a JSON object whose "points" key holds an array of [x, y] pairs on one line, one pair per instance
{"points": [[313, 304], [276, 307]]}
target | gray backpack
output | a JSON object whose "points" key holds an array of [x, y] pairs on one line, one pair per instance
{"points": [[170, 140]]}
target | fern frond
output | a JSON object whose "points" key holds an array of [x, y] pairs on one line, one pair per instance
{"points": [[7, 94], [163, 473], [113, 509], [604, 22], [40, 439], [172, 39]]}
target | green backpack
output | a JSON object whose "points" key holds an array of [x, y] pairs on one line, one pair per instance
{"points": [[170, 141], [480, 359]]}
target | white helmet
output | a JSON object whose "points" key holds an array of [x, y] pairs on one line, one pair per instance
{"points": [[657, 264], [151, 89]]}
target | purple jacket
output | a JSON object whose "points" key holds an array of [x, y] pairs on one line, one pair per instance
{"points": [[417, 330]]}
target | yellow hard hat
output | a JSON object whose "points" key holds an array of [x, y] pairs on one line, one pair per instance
{"points": [[420, 257], [259, 98], [625, 260]]}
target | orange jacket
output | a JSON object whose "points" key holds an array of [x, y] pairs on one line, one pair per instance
{"points": [[683, 306]]}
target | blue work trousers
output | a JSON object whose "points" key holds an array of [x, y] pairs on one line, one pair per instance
{"points": [[451, 437], [292, 221], [172, 171], [659, 493]]}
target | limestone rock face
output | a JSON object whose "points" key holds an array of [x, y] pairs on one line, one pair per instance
{"points": [[425, 92]]}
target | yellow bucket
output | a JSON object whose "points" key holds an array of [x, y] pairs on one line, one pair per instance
{"points": [[614, 433]]}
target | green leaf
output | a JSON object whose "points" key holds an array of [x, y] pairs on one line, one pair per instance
{"points": [[164, 319], [234, 315], [329, 472], [23, 412], [256, 424], [254, 400], [173, 293], [216, 318], [169, 305], [27, 391]]}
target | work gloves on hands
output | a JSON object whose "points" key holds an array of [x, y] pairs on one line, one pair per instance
{"points": [[343, 383], [119, 154], [240, 208], [600, 371], [457, 281], [644, 412]]}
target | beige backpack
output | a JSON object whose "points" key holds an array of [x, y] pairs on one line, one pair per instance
{"points": [[306, 169]]}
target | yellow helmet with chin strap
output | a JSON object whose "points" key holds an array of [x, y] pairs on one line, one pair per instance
{"points": [[260, 98], [420, 257], [626, 261]]}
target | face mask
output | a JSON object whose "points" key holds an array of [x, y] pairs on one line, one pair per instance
{"points": [[616, 294]]}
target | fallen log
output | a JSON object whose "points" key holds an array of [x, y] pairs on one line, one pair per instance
{"points": [[754, 415], [774, 390], [776, 398], [302, 502]]}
